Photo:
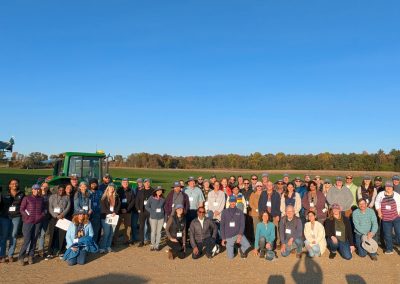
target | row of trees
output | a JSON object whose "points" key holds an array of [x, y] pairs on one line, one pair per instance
{"points": [[379, 161]]}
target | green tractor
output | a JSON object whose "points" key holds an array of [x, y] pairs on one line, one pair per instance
{"points": [[83, 165]]}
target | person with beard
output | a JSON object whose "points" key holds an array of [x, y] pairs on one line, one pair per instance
{"points": [[107, 179], [95, 195], [127, 201], [378, 184]]}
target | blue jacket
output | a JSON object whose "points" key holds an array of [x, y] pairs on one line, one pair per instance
{"points": [[275, 203], [232, 223], [95, 198], [85, 243], [80, 201], [71, 232]]}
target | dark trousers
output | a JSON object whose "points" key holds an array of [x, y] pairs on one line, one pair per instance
{"points": [[79, 259], [144, 218], [191, 214], [31, 233], [208, 243], [248, 228], [177, 249], [56, 237]]}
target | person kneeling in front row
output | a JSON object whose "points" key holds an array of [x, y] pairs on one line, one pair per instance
{"points": [[79, 239], [232, 229], [265, 237], [291, 232], [203, 233]]}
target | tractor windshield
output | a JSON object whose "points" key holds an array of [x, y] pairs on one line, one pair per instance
{"points": [[85, 167]]}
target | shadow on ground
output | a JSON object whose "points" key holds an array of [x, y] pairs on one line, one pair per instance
{"points": [[112, 278]]}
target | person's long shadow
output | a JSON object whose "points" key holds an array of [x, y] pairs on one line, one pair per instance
{"points": [[112, 278], [313, 273]]}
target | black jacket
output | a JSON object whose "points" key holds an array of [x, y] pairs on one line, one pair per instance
{"points": [[8, 201], [105, 207], [128, 194], [331, 231], [142, 196]]}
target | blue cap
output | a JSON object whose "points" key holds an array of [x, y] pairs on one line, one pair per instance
{"points": [[80, 211], [176, 184], [36, 186], [396, 177], [125, 179], [232, 198], [178, 206], [367, 177]]}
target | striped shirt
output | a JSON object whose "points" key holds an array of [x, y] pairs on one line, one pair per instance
{"points": [[389, 208]]}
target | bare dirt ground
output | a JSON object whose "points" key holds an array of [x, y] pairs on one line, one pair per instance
{"points": [[139, 265]]}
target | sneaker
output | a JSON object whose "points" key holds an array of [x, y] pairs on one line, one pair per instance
{"points": [[262, 253], [49, 256], [215, 250], [102, 251], [374, 257], [10, 259], [170, 254], [30, 260], [21, 261], [332, 255], [389, 252], [141, 245], [109, 250]]}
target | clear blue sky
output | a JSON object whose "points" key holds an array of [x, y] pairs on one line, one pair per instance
{"points": [[200, 77]]}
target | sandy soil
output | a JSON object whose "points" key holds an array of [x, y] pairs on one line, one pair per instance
{"points": [[139, 265]]}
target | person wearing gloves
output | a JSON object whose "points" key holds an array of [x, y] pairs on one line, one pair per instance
{"points": [[232, 230], [155, 206], [127, 201], [314, 233], [203, 233], [59, 207], [79, 239], [32, 211], [110, 205], [265, 238], [365, 224]]}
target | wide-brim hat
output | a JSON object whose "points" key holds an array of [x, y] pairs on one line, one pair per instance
{"points": [[176, 184], [158, 188], [370, 245]]}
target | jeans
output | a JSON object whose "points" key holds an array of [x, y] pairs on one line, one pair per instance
{"points": [[297, 244], [361, 251], [230, 243], [108, 232], [387, 227], [314, 250], [13, 231], [208, 243], [4, 233], [96, 225], [31, 233], [156, 226], [262, 242], [134, 225], [79, 259], [343, 247], [43, 230], [177, 249]]}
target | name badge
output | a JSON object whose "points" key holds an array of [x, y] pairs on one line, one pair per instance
{"points": [[367, 200], [338, 233], [158, 210], [247, 203], [57, 210], [312, 204], [27, 212], [173, 205], [324, 210], [145, 202], [124, 200], [215, 204], [12, 209], [111, 208], [76, 240], [256, 210], [268, 203], [232, 224], [206, 203], [388, 207], [179, 234], [191, 198], [288, 231], [86, 208]]}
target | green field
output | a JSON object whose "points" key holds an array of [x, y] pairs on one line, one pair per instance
{"points": [[159, 177]]}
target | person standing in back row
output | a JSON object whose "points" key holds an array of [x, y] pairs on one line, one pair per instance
{"points": [[144, 215], [196, 199], [127, 201]]}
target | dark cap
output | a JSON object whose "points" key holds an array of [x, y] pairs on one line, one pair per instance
{"points": [[378, 178]]}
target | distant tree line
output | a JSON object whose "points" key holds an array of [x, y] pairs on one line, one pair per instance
{"points": [[379, 161]]}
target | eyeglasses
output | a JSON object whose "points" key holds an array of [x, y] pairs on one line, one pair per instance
{"points": [[201, 212], [254, 178], [246, 183], [349, 178], [259, 185]]}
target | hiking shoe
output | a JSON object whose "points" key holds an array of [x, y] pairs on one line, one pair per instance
{"points": [[332, 255], [41, 253], [2, 259], [170, 254], [242, 254], [109, 250], [30, 260], [374, 257], [262, 253], [102, 251], [389, 252], [141, 245], [21, 261]]}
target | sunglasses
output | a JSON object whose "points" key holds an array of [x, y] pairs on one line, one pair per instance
{"points": [[201, 212], [246, 183], [254, 178]]}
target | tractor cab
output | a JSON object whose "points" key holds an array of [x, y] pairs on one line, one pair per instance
{"points": [[83, 165]]}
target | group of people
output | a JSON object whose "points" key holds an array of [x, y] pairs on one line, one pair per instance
{"points": [[205, 215]]}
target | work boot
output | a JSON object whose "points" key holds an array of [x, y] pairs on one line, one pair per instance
{"points": [[30, 259]]}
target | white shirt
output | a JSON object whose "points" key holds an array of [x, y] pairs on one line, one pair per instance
{"points": [[201, 222]]}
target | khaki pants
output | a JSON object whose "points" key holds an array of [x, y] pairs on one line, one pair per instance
{"points": [[275, 220], [126, 219]]}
